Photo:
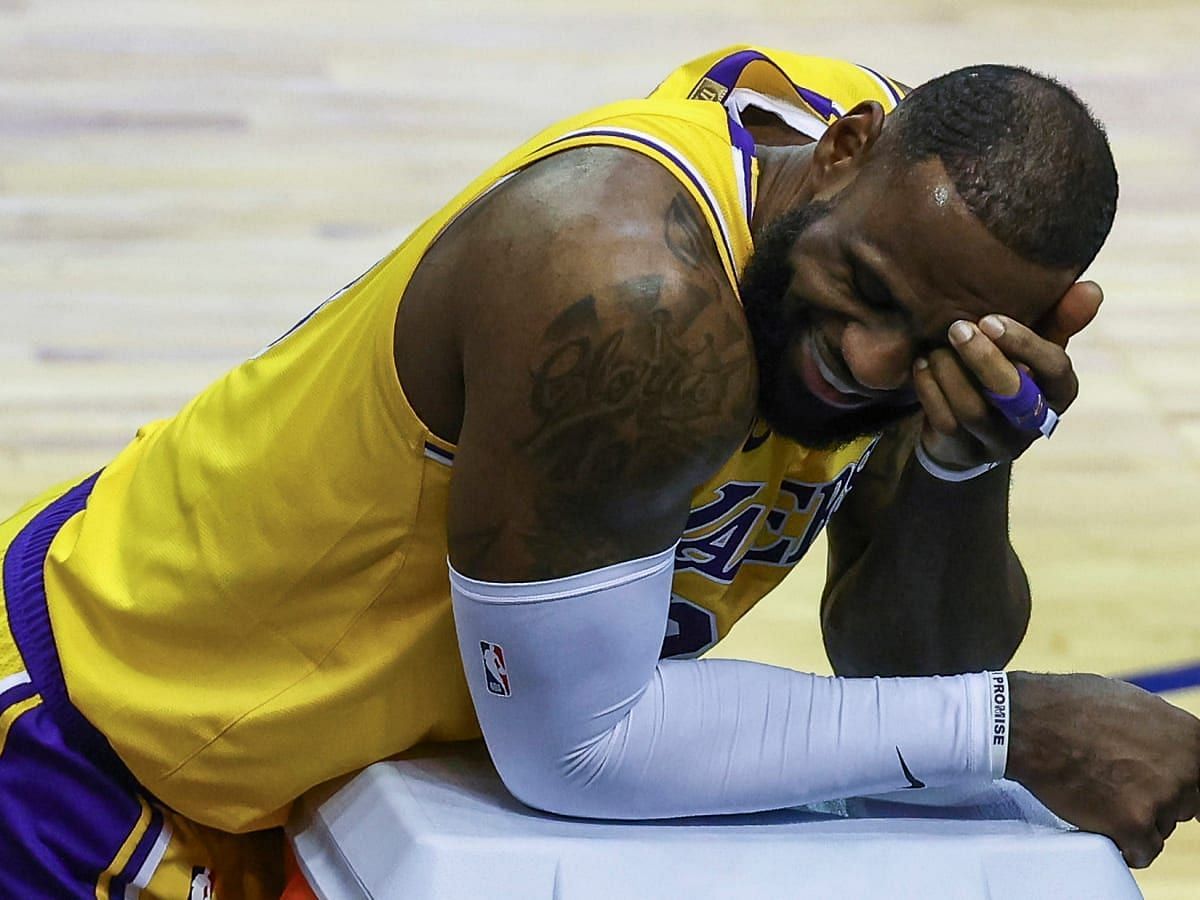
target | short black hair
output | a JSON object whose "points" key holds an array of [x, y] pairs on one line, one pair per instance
{"points": [[1025, 154]]}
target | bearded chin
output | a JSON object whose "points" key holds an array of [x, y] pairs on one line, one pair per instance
{"points": [[779, 322]]}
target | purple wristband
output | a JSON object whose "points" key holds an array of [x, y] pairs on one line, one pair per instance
{"points": [[1026, 409]]}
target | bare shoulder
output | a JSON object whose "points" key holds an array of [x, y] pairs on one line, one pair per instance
{"points": [[607, 368]]}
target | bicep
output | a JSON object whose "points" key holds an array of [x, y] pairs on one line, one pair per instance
{"points": [[603, 385], [527, 505], [585, 452]]}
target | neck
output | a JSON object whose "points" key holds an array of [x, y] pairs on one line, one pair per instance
{"points": [[783, 183]]}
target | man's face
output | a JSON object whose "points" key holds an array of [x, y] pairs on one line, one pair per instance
{"points": [[843, 295]]}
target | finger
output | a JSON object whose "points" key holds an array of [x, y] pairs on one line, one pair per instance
{"points": [[1072, 313], [1050, 364], [983, 358], [932, 400], [967, 405]]}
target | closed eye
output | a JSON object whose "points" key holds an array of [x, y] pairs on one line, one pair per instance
{"points": [[871, 290]]}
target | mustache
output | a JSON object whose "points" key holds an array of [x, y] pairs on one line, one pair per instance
{"points": [[779, 320], [772, 311]]}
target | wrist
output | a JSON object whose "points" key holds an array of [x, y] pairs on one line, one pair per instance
{"points": [[945, 472], [1026, 692]]}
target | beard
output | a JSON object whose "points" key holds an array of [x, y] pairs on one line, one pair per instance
{"points": [[779, 321]]}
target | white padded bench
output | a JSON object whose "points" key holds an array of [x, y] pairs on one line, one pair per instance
{"points": [[444, 827]]}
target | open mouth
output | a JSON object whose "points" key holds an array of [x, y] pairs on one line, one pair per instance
{"points": [[824, 380]]}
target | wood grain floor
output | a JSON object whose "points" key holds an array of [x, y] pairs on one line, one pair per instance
{"points": [[179, 182]]}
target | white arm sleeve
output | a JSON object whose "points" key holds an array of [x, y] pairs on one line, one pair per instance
{"points": [[582, 719]]}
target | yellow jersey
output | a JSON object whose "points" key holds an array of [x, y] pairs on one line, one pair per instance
{"points": [[255, 598], [806, 92]]}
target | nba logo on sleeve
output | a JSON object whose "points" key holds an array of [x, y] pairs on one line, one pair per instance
{"points": [[495, 669]]}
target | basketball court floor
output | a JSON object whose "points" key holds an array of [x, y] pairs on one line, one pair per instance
{"points": [[180, 182]]}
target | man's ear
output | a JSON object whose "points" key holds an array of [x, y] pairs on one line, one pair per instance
{"points": [[845, 146]]}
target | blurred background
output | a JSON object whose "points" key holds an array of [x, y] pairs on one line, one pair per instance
{"points": [[180, 182]]}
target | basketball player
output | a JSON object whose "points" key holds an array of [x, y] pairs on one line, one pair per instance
{"points": [[621, 381]]}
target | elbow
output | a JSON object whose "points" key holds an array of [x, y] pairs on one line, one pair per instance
{"points": [[541, 792], [574, 783], [551, 791]]}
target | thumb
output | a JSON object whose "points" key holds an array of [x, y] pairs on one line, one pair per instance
{"points": [[1071, 314]]}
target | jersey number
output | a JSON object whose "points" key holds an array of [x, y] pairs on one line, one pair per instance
{"points": [[691, 630]]}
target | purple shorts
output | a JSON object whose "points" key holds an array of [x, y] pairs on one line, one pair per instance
{"points": [[73, 821]]}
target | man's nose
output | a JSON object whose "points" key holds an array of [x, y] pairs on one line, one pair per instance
{"points": [[878, 356]]}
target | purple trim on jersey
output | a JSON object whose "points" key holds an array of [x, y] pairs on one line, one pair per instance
{"points": [[445, 457], [701, 187], [62, 820], [744, 142], [69, 802], [16, 694], [130, 870], [314, 311], [29, 619], [728, 70], [887, 84]]}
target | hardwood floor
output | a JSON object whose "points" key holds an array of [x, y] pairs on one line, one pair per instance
{"points": [[179, 182]]}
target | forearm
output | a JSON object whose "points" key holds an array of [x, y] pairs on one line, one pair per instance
{"points": [[580, 717], [938, 588], [728, 736]]}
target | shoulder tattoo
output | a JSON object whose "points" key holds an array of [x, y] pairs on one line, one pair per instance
{"points": [[634, 385], [689, 238]]}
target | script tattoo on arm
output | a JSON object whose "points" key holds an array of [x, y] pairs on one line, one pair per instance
{"points": [[629, 397], [614, 401], [632, 388]]}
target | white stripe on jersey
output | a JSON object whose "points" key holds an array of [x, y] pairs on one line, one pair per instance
{"points": [[741, 165], [793, 116], [13, 681], [134, 890]]}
